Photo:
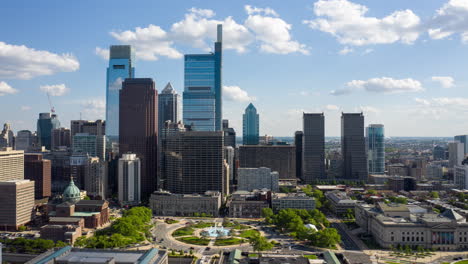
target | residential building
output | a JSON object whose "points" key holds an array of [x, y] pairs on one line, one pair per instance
{"points": [[61, 137], [353, 147], [7, 137], [463, 139], [456, 153], [250, 126], [168, 106], [249, 179], [399, 224], [229, 134], [281, 201], [434, 171], [96, 178], [298, 139], [194, 162], [69, 255], [280, 158], [397, 169], [417, 168], [313, 151], [45, 124], [461, 176], [93, 145], [121, 59], [375, 139], [38, 170], [202, 97], [139, 128], [438, 153], [11, 164], [245, 204], [340, 202], [17, 204], [169, 204], [129, 180], [24, 140]]}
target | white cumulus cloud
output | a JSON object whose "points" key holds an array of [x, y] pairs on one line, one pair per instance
{"points": [[451, 18], [381, 85], [21, 62], [103, 53], [444, 81], [235, 93], [345, 51], [93, 108], [5, 89], [347, 21], [55, 90]]}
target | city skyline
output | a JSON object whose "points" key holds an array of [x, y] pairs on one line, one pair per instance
{"points": [[330, 70]]}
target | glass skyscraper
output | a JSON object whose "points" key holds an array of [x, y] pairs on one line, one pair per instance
{"points": [[168, 106], [463, 139], [202, 97], [120, 67], [375, 148], [250, 126], [353, 147], [45, 124]]}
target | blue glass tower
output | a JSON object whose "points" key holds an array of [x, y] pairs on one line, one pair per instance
{"points": [[120, 67], [250, 126], [168, 106], [45, 124], [375, 149], [202, 97]]}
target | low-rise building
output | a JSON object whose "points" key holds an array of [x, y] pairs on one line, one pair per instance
{"points": [[64, 233], [249, 179], [401, 183], [170, 204], [398, 224], [281, 201], [340, 202], [248, 204]]}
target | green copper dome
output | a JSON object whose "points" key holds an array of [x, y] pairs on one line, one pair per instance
{"points": [[71, 193]]}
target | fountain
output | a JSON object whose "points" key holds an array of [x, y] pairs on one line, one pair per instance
{"points": [[215, 231]]}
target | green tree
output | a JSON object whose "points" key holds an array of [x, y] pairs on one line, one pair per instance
{"points": [[267, 212], [260, 243], [371, 192], [327, 237], [60, 244], [434, 194]]}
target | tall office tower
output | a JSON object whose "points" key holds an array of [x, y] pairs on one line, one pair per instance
{"points": [[280, 158], [229, 156], [78, 164], [229, 134], [129, 179], [138, 132], [11, 164], [202, 97], [375, 140], [438, 153], [169, 129], [195, 162], [97, 128], [45, 124], [121, 59], [456, 153], [298, 139], [463, 139], [61, 137], [94, 146], [250, 126], [17, 204], [24, 140], [353, 147], [313, 151], [96, 178], [38, 170], [7, 137], [60, 168], [168, 106]]}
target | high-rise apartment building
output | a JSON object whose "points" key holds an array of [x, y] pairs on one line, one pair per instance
{"points": [[92, 145], [353, 147], [463, 139], [61, 137], [250, 126], [168, 106], [11, 164], [138, 131], [97, 128], [313, 151], [202, 97], [229, 134], [38, 170], [24, 140], [45, 124], [96, 178], [7, 137], [17, 204], [298, 139], [129, 180], [280, 158], [121, 59], [375, 139], [195, 162], [250, 179], [456, 153]]}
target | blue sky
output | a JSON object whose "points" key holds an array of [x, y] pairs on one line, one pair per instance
{"points": [[403, 63]]}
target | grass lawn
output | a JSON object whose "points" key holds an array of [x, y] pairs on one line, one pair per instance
{"points": [[171, 221], [228, 241], [310, 257], [194, 240], [462, 262], [184, 231], [202, 225], [249, 233], [253, 255]]}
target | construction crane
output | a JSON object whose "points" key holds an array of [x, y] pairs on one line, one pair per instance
{"points": [[52, 109]]}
